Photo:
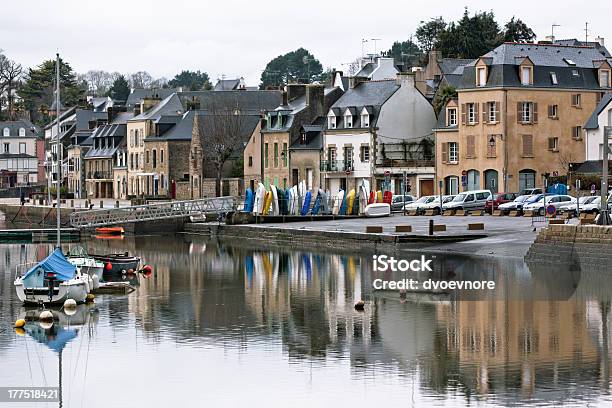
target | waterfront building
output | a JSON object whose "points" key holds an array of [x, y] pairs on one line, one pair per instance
{"points": [[519, 116], [19, 156], [377, 131], [594, 133]]}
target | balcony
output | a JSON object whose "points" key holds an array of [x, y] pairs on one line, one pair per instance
{"points": [[100, 175], [334, 166]]}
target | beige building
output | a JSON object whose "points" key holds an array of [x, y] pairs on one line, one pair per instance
{"points": [[518, 117]]}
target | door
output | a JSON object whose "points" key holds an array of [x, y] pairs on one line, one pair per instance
{"points": [[426, 187], [526, 179], [451, 184], [173, 189], [473, 180], [491, 181], [295, 177]]}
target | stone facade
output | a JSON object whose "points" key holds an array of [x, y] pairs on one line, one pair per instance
{"points": [[275, 166], [305, 165]]}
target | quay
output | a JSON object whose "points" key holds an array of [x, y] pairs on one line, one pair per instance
{"points": [[26, 235]]}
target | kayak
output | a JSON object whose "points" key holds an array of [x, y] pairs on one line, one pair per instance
{"points": [[110, 230]]}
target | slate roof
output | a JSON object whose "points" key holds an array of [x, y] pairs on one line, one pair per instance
{"points": [[591, 167], [170, 105], [245, 100], [84, 116], [182, 130], [314, 136], [14, 126], [367, 70], [454, 66], [16, 156], [117, 132], [226, 84], [63, 116], [504, 61], [137, 95], [593, 122], [572, 41]]}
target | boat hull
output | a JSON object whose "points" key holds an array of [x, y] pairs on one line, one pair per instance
{"points": [[119, 263], [75, 289], [377, 210]]}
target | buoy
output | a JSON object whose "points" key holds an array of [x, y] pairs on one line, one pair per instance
{"points": [[70, 304], [90, 298], [360, 305], [19, 331], [123, 271], [45, 316], [130, 271], [147, 269], [108, 266], [20, 323]]}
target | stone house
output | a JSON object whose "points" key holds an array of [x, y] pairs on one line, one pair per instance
{"points": [[18, 157], [519, 116]]}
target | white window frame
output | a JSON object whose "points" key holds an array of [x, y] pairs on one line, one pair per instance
{"points": [[452, 116], [491, 114], [481, 73], [348, 120], [365, 154], [553, 78], [453, 152], [365, 120], [25, 148], [471, 113], [331, 121], [21, 132], [6, 132], [526, 112], [605, 84], [526, 79]]}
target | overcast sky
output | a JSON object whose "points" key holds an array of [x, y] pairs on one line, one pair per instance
{"points": [[237, 38]]}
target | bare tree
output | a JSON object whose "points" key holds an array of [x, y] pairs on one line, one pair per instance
{"points": [[565, 161], [140, 79], [10, 76], [98, 81], [220, 133]]}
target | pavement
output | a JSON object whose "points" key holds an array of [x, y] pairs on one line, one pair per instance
{"points": [[78, 202]]}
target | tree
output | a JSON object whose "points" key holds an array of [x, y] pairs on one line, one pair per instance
{"points": [[120, 89], [517, 31], [470, 37], [98, 82], [140, 79], [191, 80], [427, 34], [295, 66], [38, 89], [406, 53], [10, 75], [442, 97]]}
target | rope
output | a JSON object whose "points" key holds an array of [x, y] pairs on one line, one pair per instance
{"points": [[20, 208]]}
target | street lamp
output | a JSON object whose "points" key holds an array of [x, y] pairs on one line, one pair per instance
{"points": [[604, 216]]}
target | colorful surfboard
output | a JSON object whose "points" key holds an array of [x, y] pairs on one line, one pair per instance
{"points": [[306, 205], [249, 200]]}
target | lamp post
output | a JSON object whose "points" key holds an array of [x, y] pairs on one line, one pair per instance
{"points": [[604, 217]]}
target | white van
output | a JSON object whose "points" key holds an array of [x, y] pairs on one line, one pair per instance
{"points": [[469, 200]]}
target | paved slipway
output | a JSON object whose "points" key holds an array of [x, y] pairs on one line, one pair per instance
{"points": [[508, 237]]}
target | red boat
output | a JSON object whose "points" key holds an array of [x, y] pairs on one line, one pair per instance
{"points": [[110, 231]]}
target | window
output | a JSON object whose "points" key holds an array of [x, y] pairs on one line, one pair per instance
{"points": [[576, 100], [365, 120], [553, 144], [365, 153], [527, 145], [451, 117], [472, 113], [482, 76], [348, 120], [491, 147], [6, 132], [154, 158], [250, 161], [22, 148], [21, 132], [604, 78], [266, 155], [453, 152], [575, 72], [275, 154], [161, 155], [348, 158], [492, 112], [331, 121], [471, 146], [553, 78], [331, 154], [577, 132], [7, 148], [285, 155], [553, 111], [132, 161], [569, 61], [147, 157], [601, 150], [527, 112], [526, 76]]}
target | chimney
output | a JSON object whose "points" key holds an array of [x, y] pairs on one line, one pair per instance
{"points": [[315, 98], [149, 102], [285, 98], [295, 91], [405, 79], [600, 40], [137, 109], [110, 114], [550, 38], [356, 80]]}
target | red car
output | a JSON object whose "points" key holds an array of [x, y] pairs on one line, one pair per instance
{"points": [[499, 198]]}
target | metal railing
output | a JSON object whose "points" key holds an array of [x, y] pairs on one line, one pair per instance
{"points": [[336, 165], [151, 212], [100, 175]]}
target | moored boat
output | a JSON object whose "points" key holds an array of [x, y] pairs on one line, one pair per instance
{"points": [[119, 263], [377, 210], [110, 231]]}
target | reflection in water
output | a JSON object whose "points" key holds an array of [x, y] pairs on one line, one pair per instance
{"points": [[279, 326]]}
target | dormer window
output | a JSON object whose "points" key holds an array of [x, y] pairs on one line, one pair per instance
{"points": [[279, 121], [365, 120], [348, 119], [21, 132], [569, 62], [604, 78], [481, 76], [553, 78], [6, 132], [526, 75], [331, 120]]}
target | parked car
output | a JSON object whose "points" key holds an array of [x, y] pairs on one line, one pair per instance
{"points": [[418, 204], [588, 204], [468, 200], [515, 205], [435, 204], [558, 201], [399, 201], [497, 199], [531, 191]]}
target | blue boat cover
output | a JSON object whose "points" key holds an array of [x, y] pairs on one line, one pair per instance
{"points": [[55, 338], [56, 262]]}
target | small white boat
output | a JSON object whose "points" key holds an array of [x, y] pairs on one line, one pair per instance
{"points": [[52, 281], [377, 210], [87, 265]]}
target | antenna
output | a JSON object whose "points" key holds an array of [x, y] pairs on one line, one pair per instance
{"points": [[375, 42], [586, 32], [363, 41], [552, 31]]}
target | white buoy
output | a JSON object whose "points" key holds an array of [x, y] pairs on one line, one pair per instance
{"points": [[70, 304], [45, 319]]}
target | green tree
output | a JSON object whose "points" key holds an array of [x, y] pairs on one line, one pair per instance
{"points": [[120, 89], [470, 37], [37, 91], [192, 80], [516, 30], [442, 97], [405, 53], [295, 66], [428, 33]]}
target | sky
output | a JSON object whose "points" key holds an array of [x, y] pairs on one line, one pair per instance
{"points": [[234, 38]]}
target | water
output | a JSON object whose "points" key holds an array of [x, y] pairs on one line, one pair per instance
{"points": [[232, 325]]}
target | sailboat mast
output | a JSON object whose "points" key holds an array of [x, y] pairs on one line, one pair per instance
{"points": [[58, 146]]}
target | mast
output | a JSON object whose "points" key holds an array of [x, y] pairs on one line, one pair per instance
{"points": [[58, 146]]}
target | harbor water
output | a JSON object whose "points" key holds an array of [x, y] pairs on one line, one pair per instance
{"points": [[230, 324]]}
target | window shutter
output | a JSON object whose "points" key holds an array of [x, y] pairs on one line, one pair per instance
{"points": [[550, 112], [518, 112], [444, 152], [535, 112], [551, 143], [496, 111], [463, 114], [527, 145], [484, 112], [476, 112], [361, 154], [471, 146]]}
